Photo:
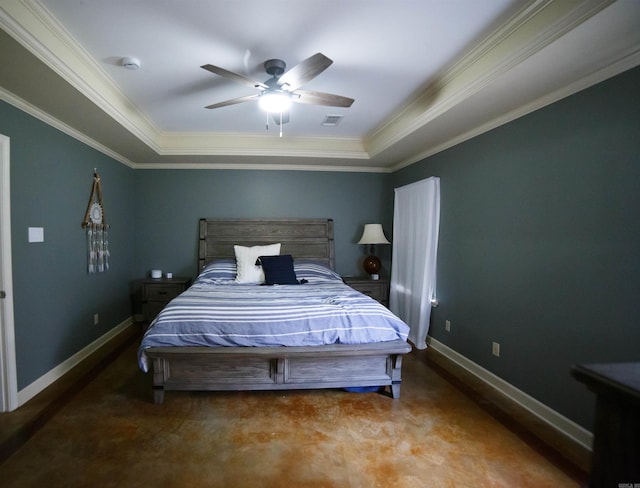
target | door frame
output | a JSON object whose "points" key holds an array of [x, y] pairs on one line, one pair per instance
{"points": [[8, 377]]}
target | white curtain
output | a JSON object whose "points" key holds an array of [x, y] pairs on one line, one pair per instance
{"points": [[416, 223]]}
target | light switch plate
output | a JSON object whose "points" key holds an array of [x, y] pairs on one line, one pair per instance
{"points": [[36, 234]]}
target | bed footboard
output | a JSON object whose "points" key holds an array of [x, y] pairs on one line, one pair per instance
{"points": [[277, 368]]}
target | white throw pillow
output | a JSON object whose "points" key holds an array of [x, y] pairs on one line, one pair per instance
{"points": [[246, 258]]}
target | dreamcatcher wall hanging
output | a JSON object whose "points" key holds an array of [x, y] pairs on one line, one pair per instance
{"points": [[97, 229]]}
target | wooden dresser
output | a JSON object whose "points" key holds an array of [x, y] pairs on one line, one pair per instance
{"points": [[376, 289], [616, 434], [157, 292]]}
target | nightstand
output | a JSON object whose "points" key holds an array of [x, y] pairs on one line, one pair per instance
{"points": [[157, 292], [376, 289]]}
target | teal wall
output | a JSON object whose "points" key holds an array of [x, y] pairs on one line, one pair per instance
{"points": [[154, 217], [540, 243], [168, 204], [54, 297]]}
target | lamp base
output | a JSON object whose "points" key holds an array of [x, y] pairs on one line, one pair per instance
{"points": [[372, 264]]}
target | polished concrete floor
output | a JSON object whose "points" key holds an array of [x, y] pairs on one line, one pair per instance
{"points": [[105, 431]]}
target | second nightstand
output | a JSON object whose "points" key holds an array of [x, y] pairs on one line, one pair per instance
{"points": [[376, 289], [157, 292]]}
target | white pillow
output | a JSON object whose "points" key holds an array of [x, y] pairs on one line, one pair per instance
{"points": [[246, 258]]}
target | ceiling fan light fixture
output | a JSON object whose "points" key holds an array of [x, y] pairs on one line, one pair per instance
{"points": [[275, 101]]}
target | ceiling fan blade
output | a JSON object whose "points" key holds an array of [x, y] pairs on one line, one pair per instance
{"points": [[304, 72], [233, 76], [233, 101], [320, 98], [285, 118]]}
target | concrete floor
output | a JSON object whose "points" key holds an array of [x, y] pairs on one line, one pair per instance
{"points": [[104, 430]]}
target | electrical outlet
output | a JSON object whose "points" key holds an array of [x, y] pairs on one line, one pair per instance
{"points": [[447, 325], [495, 349], [96, 319]]}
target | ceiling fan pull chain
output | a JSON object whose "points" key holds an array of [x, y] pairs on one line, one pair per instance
{"points": [[280, 124], [267, 120]]}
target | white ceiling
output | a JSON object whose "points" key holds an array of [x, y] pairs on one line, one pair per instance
{"points": [[425, 74]]}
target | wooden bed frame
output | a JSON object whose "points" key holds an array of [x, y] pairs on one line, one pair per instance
{"points": [[274, 368]]}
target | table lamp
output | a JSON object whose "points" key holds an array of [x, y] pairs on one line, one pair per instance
{"points": [[373, 234]]}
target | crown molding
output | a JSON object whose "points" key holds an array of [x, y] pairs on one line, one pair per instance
{"points": [[36, 29], [267, 167], [625, 61], [528, 31], [31, 24], [39, 114], [260, 145]]}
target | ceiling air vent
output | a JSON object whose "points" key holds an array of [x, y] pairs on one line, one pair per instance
{"points": [[332, 120]]}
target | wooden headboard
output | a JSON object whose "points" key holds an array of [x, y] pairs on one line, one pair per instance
{"points": [[302, 238]]}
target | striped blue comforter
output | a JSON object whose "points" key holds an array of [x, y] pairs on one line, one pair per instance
{"points": [[232, 314]]}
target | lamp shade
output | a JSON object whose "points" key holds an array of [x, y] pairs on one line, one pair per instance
{"points": [[373, 234]]}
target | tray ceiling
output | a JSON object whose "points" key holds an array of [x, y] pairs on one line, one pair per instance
{"points": [[425, 74]]}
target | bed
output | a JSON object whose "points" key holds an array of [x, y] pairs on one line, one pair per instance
{"points": [[333, 357]]}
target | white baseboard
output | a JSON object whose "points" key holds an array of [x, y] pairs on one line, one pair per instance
{"points": [[556, 420], [59, 371]]}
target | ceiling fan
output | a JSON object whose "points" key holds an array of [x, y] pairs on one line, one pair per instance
{"points": [[277, 93]]}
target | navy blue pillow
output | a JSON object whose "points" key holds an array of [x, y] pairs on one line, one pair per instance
{"points": [[278, 270]]}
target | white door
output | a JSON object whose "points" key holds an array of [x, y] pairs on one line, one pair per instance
{"points": [[8, 381]]}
